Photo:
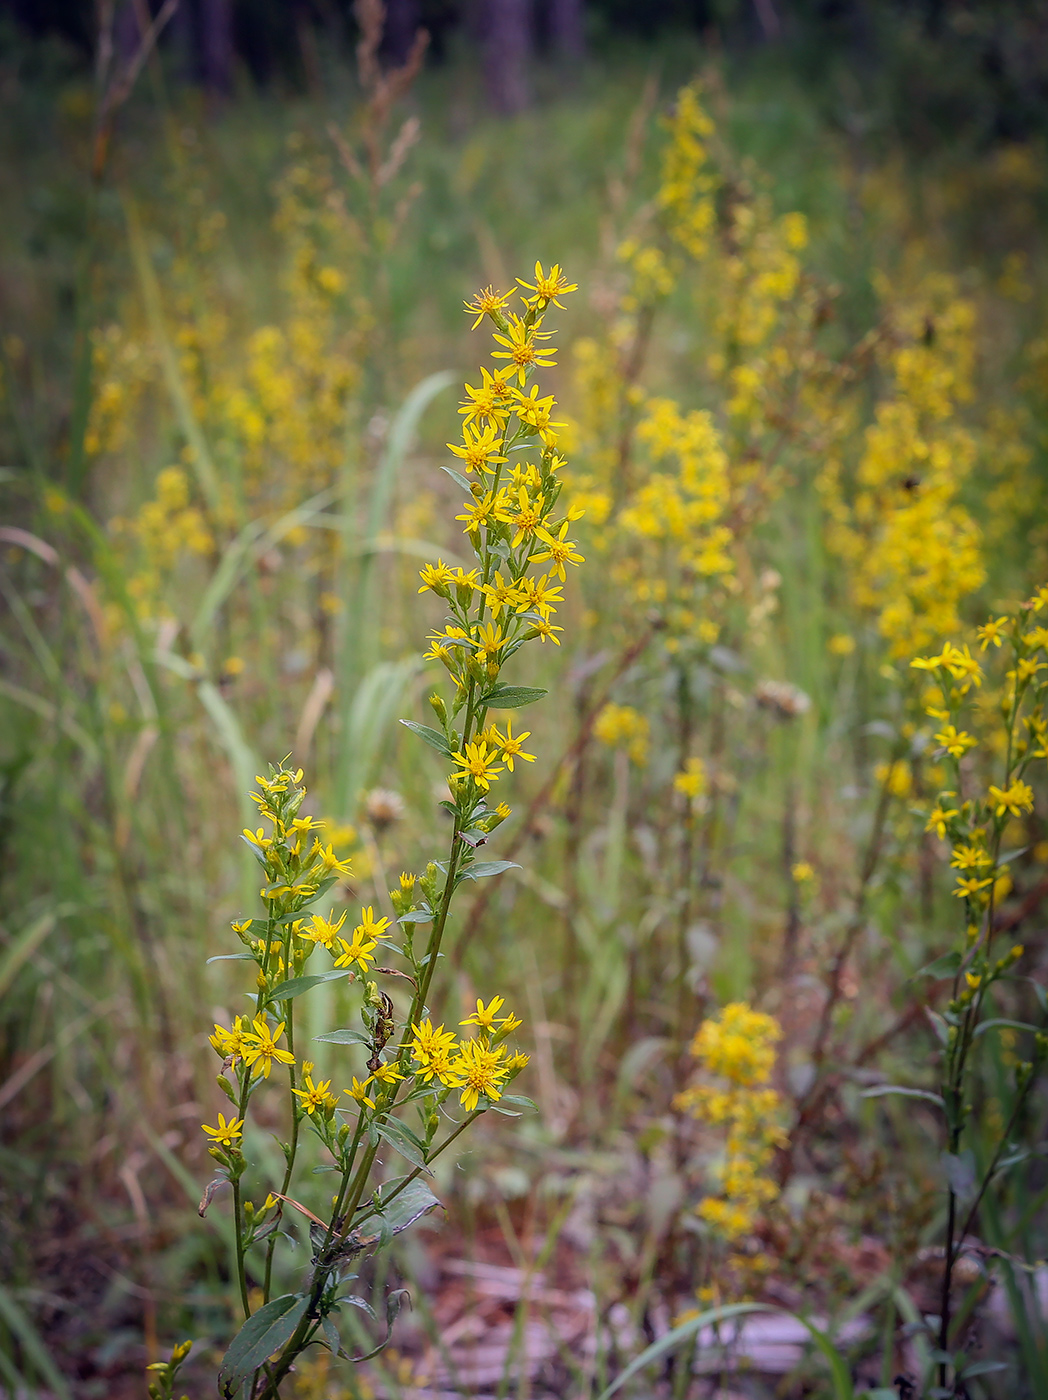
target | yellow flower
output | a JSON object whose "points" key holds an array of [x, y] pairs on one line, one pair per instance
{"points": [[313, 1096], [538, 414], [386, 1074], [324, 930], [359, 951], [486, 303], [970, 886], [559, 551], [548, 287], [491, 402], [436, 577], [489, 642], [483, 512], [522, 349], [991, 632], [539, 595], [691, 780], [261, 1046], [479, 764], [962, 665], [528, 520], [485, 1015], [939, 817], [545, 631], [230, 1043], [512, 746], [970, 857], [480, 448], [1016, 799], [480, 1072], [329, 862], [501, 593], [802, 873], [360, 1092], [955, 742], [432, 1051], [225, 1133]]}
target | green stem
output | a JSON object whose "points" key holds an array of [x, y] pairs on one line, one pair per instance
{"points": [[238, 1235], [296, 1118]]}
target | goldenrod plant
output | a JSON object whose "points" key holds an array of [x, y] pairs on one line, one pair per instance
{"points": [[992, 741], [406, 1061], [737, 1048]]}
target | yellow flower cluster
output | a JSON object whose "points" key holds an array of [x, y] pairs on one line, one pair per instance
{"points": [[671, 491], [685, 504], [475, 1066], [518, 536], [164, 530], [911, 546], [272, 399], [738, 1048], [972, 821], [299, 868], [623, 727]]}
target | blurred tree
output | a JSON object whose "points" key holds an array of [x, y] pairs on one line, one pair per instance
{"points": [[567, 28], [216, 45], [402, 22], [507, 40]]}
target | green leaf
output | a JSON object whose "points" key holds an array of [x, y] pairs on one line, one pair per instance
{"points": [[399, 1136], [883, 1089], [432, 737], [416, 916], [261, 1335], [481, 868], [393, 1306], [985, 1026], [332, 1338], [679, 1335], [356, 1301], [344, 1037], [946, 966], [407, 1206], [520, 1101], [842, 1382], [511, 697], [231, 957], [458, 479], [295, 986], [982, 1368], [33, 1348]]}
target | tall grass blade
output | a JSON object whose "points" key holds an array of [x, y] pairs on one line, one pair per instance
{"points": [[32, 1346]]}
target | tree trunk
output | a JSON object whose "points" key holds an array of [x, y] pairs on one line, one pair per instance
{"points": [[567, 28], [507, 49], [216, 45]]}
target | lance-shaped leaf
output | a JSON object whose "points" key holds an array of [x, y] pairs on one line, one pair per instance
{"points": [[433, 737], [261, 1335], [295, 986], [905, 1092], [344, 1037], [481, 868], [511, 697]]}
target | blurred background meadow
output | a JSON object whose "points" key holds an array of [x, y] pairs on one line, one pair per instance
{"points": [[803, 395]]}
